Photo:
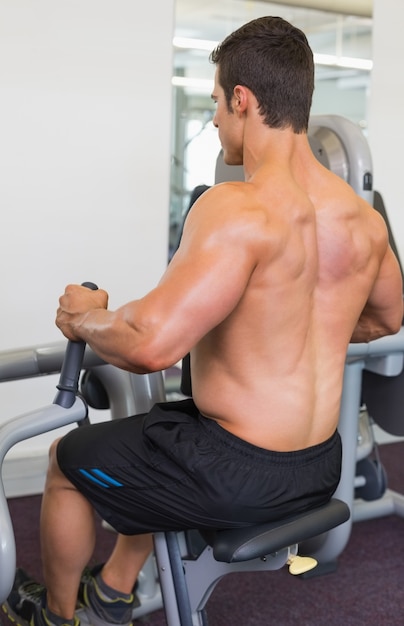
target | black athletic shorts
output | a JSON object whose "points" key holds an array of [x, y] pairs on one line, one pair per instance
{"points": [[173, 469]]}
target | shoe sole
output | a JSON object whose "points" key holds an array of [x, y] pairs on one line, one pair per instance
{"points": [[13, 616], [87, 617]]}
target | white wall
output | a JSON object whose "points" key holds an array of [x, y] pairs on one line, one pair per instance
{"points": [[85, 116], [386, 111]]}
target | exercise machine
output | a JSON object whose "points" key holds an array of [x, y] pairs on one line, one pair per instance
{"points": [[383, 357], [127, 395], [187, 565], [189, 568]]}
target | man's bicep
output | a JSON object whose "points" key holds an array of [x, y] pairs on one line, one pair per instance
{"points": [[210, 271], [203, 287]]}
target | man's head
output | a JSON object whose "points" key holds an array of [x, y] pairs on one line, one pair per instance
{"points": [[273, 59]]}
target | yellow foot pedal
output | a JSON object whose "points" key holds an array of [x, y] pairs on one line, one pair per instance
{"points": [[300, 564]]}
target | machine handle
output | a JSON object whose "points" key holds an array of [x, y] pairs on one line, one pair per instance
{"points": [[72, 364]]}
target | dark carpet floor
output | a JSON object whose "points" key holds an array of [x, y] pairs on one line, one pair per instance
{"points": [[367, 588]]}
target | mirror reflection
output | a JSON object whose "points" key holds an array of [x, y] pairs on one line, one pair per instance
{"points": [[341, 43]]}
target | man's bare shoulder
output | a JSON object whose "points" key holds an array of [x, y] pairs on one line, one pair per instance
{"points": [[229, 204], [334, 196], [357, 210], [223, 195]]}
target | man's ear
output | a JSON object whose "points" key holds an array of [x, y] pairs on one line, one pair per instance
{"points": [[240, 98]]}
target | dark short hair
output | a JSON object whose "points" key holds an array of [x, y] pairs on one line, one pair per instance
{"points": [[274, 60]]}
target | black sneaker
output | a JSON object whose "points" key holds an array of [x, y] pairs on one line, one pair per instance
{"points": [[25, 606], [25, 596], [95, 609]]}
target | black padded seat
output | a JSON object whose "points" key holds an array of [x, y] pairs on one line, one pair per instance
{"points": [[244, 544], [188, 581]]}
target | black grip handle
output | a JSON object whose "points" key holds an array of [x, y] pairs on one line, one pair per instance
{"points": [[71, 368]]}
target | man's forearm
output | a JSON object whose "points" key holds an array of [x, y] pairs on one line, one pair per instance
{"points": [[367, 330]]}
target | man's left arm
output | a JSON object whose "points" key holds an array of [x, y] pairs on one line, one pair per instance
{"points": [[383, 312], [201, 286]]}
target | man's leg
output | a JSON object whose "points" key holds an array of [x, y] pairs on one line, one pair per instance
{"points": [[68, 538], [127, 559]]}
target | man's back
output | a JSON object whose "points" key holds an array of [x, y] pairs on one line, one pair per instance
{"points": [[271, 372], [273, 277]]}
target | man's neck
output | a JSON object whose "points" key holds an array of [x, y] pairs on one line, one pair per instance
{"points": [[263, 145]]}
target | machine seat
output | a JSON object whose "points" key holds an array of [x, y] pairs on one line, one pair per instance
{"points": [[244, 544]]}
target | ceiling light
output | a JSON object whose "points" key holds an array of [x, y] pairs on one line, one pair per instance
{"points": [[202, 84], [194, 44], [341, 61]]}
